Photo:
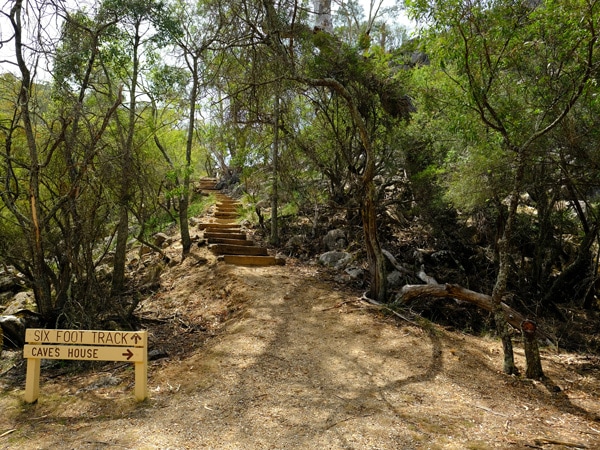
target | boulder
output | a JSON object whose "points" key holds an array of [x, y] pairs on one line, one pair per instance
{"points": [[10, 281], [355, 272], [161, 240], [335, 240], [20, 302], [13, 330], [335, 259]]}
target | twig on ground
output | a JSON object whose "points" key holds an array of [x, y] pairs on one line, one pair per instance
{"points": [[346, 420], [491, 411], [339, 305], [542, 441], [382, 306]]}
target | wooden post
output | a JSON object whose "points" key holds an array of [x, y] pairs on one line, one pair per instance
{"points": [[32, 380], [141, 372]]}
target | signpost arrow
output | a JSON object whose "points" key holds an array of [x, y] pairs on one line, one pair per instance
{"points": [[128, 353], [136, 338]]}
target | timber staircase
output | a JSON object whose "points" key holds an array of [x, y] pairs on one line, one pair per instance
{"points": [[225, 236]]}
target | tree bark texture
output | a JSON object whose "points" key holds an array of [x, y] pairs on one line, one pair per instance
{"points": [[40, 279], [532, 352]]}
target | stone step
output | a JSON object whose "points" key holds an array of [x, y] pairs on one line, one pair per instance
{"points": [[230, 241], [225, 249], [219, 235], [242, 260]]}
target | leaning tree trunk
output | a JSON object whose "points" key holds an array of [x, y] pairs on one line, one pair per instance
{"points": [[375, 257], [499, 290], [118, 281], [374, 252], [41, 283]]}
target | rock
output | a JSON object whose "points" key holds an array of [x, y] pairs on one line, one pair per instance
{"points": [[161, 240], [335, 259], [21, 301], [103, 272], [13, 330], [395, 279], [335, 240], [145, 250], [355, 272], [155, 354], [10, 281]]}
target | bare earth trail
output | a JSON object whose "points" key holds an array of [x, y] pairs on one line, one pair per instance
{"points": [[299, 363]]}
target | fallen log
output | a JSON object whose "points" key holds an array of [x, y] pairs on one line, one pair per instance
{"points": [[412, 292]]}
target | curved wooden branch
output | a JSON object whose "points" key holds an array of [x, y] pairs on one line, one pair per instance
{"points": [[412, 292]]}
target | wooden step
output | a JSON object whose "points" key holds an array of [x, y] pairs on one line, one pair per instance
{"points": [[214, 226], [232, 205], [227, 208], [241, 260], [225, 249], [230, 241], [210, 229], [211, 234], [225, 215], [224, 221]]}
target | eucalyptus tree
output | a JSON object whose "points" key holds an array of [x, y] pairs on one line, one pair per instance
{"points": [[308, 53], [376, 101], [194, 38], [134, 32], [50, 144], [520, 68]]}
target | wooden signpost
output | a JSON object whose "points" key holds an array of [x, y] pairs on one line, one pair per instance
{"points": [[85, 345]]}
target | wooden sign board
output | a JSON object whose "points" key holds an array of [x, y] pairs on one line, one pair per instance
{"points": [[85, 345]]}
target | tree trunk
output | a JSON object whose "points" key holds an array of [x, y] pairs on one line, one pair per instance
{"points": [[499, 292], [532, 352], [118, 281], [184, 201], [41, 283], [323, 21], [378, 289], [275, 194], [375, 255]]}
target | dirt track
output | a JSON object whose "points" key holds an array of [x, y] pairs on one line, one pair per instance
{"points": [[300, 363]]}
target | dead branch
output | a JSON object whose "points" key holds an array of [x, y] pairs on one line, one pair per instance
{"points": [[412, 292], [395, 263], [544, 441]]}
